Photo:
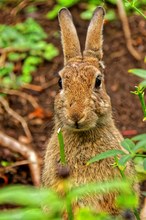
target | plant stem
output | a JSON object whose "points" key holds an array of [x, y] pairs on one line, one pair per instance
{"points": [[140, 155], [140, 12], [136, 9], [69, 209], [136, 214], [121, 171], [142, 101], [61, 145]]}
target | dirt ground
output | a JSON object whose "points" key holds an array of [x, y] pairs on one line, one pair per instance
{"points": [[126, 107]]}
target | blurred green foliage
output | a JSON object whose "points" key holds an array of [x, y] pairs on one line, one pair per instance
{"points": [[32, 200], [22, 44], [90, 5]]}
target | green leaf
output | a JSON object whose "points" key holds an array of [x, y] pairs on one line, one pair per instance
{"points": [[27, 69], [24, 79], [138, 163], [23, 214], [14, 56], [86, 15], [61, 145], [6, 70], [143, 84], [139, 137], [114, 2], [29, 196], [7, 82], [54, 12], [50, 52], [144, 164], [128, 201], [109, 153], [86, 213], [99, 188], [67, 3], [140, 145], [33, 60], [138, 72], [124, 159], [128, 145], [5, 163], [110, 15]]}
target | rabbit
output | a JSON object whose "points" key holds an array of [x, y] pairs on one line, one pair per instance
{"points": [[83, 111]]}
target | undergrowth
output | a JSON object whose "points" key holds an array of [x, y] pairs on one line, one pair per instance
{"points": [[23, 48]]}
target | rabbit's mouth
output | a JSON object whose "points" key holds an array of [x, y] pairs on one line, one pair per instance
{"points": [[77, 126]]}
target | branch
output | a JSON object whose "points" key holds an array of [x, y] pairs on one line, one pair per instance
{"points": [[10, 167], [26, 96], [18, 117], [26, 152], [126, 30]]}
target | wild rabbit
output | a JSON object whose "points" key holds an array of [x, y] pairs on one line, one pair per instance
{"points": [[83, 112]]}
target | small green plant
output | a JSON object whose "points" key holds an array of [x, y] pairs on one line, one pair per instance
{"points": [[31, 200], [135, 5], [90, 7], [23, 48], [60, 4], [61, 144], [134, 148], [139, 91], [140, 73]]}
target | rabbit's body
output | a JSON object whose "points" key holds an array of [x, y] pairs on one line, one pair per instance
{"points": [[79, 148], [83, 111]]}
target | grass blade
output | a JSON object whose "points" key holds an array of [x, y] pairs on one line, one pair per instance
{"points": [[109, 153], [61, 145]]}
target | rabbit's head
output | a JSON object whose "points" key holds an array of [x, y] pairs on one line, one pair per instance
{"points": [[82, 102]]}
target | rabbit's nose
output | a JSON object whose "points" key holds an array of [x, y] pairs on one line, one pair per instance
{"points": [[77, 118]]}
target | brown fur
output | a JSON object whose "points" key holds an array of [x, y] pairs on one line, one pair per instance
{"points": [[80, 102]]}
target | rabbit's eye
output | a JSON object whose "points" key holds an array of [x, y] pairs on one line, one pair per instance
{"points": [[60, 83], [97, 82]]}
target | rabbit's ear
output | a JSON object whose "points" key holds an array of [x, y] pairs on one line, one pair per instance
{"points": [[70, 40], [94, 39]]}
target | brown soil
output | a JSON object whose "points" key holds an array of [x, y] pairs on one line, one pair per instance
{"points": [[126, 106]]}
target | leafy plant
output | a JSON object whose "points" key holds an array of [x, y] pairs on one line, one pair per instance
{"points": [[139, 91], [60, 4], [61, 144], [23, 48], [134, 148], [135, 5], [140, 73], [31, 200]]}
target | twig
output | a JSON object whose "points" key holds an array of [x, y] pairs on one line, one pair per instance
{"points": [[19, 7], [42, 87], [18, 163], [126, 30], [5, 51], [49, 84], [36, 88], [18, 117], [25, 151], [21, 94]]}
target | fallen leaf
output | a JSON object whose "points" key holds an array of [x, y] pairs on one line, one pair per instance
{"points": [[40, 113]]}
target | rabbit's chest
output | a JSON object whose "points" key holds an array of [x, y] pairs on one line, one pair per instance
{"points": [[81, 173]]}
